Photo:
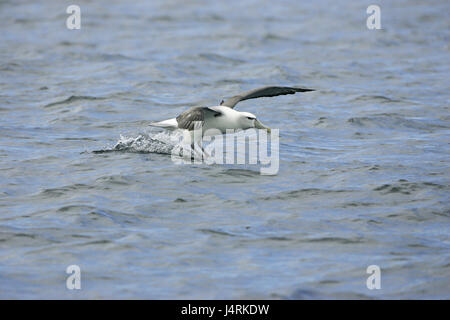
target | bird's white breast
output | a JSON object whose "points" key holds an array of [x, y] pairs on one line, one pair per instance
{"points": [[228, 120]]}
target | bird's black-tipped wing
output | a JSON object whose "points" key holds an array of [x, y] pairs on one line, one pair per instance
{"points": [[195, 115], [262, 92]]}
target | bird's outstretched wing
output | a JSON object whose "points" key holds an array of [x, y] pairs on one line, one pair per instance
{"points": [[195, 115], [261, 92]]}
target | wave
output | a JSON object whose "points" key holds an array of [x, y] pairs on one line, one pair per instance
{"points": [[406, 187], [214, 57], [307, 192], [72, 99], [396, 121], [375, 98]]}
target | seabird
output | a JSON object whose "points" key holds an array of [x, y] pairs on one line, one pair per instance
{"points": [[224, 116]]}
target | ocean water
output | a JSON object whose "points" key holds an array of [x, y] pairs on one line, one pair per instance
{"points": [[363, 161]]}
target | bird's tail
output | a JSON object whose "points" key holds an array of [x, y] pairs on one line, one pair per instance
{"points": [[170, 124]]}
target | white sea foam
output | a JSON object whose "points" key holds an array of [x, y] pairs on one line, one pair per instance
{"points": [[161, 142]]}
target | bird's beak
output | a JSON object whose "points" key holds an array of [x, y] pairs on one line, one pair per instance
{"points": [[259, 125]]}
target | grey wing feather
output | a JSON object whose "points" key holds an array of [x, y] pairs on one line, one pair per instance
{"points": [[262, 92], [195, 115]]}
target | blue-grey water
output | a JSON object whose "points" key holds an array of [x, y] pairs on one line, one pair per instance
{"points": [[364, 161]]}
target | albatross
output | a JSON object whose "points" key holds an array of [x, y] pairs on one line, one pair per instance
{"points": [[224, 116]]}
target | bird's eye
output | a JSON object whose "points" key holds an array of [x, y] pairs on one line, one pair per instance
{"points": [[250, 118]]}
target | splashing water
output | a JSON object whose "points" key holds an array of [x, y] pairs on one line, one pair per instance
{"points": [[171, 143], [162, 142]]}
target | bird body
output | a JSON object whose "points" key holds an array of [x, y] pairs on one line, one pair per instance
{"points": [[227, 118], [224, 116]]}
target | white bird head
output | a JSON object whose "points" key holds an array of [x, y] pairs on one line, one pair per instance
{"points": [[248, 120]]}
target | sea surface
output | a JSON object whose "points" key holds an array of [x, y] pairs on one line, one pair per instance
{"points": [[364, 170]]}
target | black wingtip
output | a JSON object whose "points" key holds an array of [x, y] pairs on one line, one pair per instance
{"points": [[303, 89]]}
